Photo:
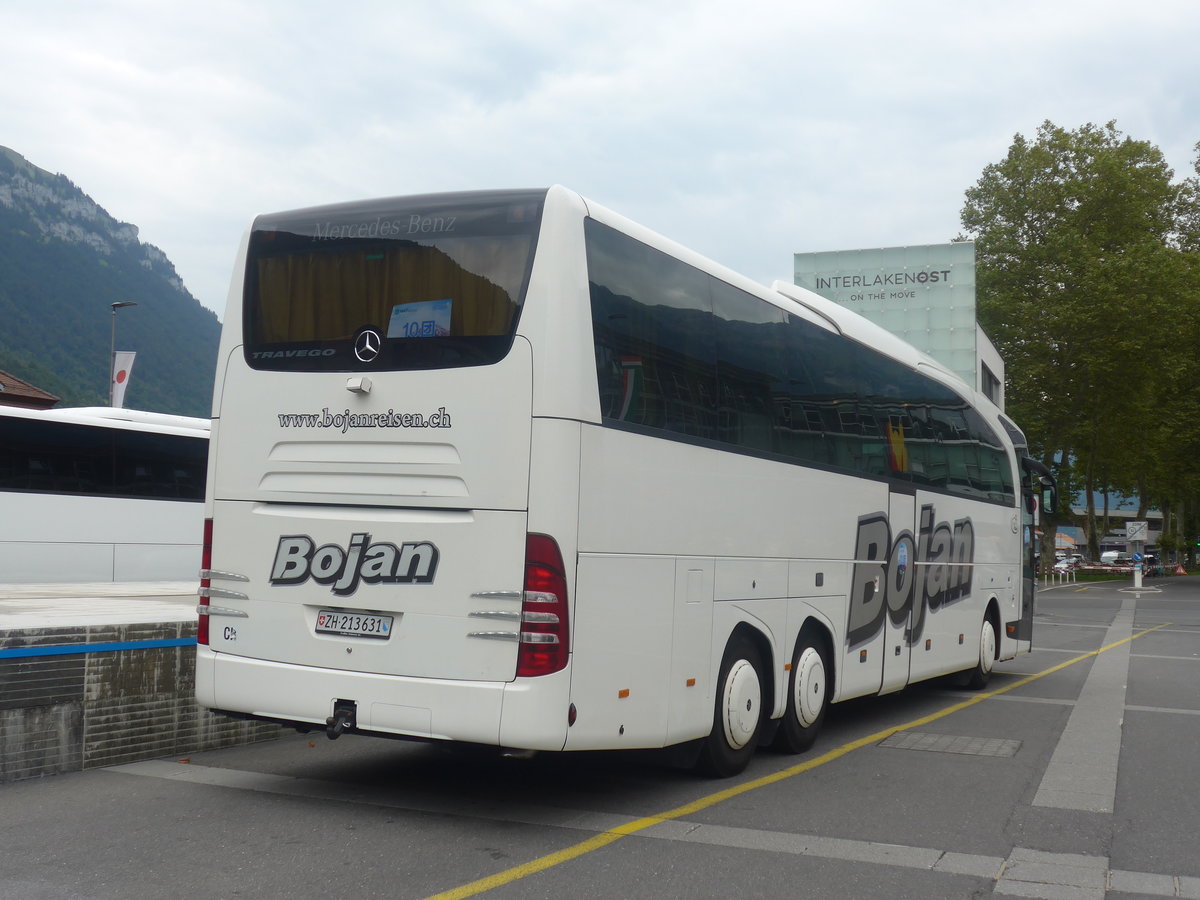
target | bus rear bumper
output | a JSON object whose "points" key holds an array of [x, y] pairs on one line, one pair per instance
{"points": [[396, 706]]}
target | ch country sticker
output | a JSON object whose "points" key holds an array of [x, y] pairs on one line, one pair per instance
{"points": [[907, 574], [298, 558]]}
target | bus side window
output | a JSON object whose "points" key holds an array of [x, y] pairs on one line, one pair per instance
{"points": [[751, 367], [652, 326]]}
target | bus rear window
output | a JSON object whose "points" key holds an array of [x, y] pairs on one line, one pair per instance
{"points": [[423, 282]]}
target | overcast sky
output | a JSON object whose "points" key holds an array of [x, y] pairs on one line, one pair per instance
{"points": [[747, 130]]}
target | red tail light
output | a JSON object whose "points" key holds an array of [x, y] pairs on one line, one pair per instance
{"points": [[205, 582], [545, 635]]}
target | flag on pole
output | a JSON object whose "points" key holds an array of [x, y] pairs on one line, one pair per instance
{"points": [[122, 366]]}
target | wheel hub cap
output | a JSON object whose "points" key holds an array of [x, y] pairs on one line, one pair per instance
{"points": [[742, 700], [810, 687]]}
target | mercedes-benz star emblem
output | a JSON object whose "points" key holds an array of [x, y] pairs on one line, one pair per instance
{"points": [[367, 344]]}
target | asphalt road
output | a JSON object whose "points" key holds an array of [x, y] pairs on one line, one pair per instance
{"points": [[1075, 775]]}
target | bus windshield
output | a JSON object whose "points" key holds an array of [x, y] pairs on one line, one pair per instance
{"points": [[417, 283]]}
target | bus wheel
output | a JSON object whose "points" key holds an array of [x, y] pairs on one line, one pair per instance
{"points": [[737, 717], [979, 676], [808, 696]]}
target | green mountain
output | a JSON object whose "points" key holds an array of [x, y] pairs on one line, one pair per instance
{"points": [[63, 262]]}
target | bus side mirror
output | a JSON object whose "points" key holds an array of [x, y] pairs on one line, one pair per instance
{"points": [[1045, 480], [1049, 496]]}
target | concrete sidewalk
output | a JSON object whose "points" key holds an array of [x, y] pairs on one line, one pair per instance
{"points": [[54, 605]]}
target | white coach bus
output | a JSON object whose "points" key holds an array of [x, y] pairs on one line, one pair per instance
{"points": [[95, 494], [506, 468]]}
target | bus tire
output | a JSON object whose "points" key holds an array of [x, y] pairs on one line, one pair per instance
{"points": [[808, 695], [738, 711], [979, 676]]}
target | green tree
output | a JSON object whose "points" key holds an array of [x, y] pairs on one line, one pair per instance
{"points": [[1085, 249]]}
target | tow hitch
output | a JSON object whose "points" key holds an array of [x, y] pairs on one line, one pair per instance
{"points": [[342, 719]]}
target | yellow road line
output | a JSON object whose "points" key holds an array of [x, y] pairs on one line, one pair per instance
{"points": [[516, 873]]}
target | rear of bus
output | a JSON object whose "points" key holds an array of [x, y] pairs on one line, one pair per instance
{"points": [[371, 564]]}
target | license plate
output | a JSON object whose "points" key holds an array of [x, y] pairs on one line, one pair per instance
{"points": [[352, 624]]}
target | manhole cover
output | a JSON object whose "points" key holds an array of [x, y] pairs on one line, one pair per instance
{"points": [[951, 743]]}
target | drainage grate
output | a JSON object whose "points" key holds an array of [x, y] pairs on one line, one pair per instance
{"points": [[949, 743]]}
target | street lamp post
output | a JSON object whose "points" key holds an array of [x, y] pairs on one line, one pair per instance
{"points": [[112, 346]]}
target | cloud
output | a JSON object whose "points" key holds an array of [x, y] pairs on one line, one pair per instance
{"points": [[747, 131]]}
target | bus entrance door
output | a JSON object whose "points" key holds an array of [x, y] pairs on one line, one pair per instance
{"points": [[900, 572]]}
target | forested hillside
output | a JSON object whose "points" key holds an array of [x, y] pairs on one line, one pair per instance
{"points": [[63, 262]]}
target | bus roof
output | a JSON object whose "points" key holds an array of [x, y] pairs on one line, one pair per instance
{"points": [[111, 417]]}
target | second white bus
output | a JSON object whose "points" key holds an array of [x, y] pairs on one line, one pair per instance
{"points": [[506, 468], [96, 494]]}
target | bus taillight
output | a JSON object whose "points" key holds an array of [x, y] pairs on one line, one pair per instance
{"points": [[545, 636], [205, 582]]}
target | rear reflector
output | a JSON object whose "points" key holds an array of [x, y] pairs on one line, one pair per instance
{"points": [[205, 582], [545, 635]]}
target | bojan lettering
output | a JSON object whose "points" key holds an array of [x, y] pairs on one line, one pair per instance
{"points": [[298, 558], [906, 576]]}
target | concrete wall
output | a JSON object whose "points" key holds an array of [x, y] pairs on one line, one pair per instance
{"points": [[126, 696]]}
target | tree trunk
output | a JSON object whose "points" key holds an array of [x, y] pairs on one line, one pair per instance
{"points": [[1106, 523], [1167, 538], [1093, 539]]}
